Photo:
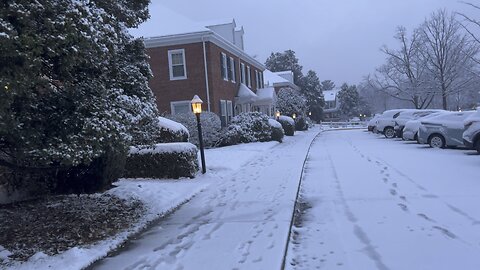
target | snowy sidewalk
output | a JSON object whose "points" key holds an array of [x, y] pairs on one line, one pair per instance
{"points": [[387, 204], [240, 222]]}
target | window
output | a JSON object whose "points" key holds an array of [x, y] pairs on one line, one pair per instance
{"points": [[257, 81], [177, 65], [242, 75], [232, 69], [223, 60], [249, 77], [226, 112], [178, 107], [262, 85]]}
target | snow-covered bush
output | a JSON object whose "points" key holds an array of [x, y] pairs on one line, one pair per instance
{"points": [[211, 125], [301, 123], [170, 131], [165, 160], [277, 130], [229, 136], [288, 124], [254, 127], [74, 93], [290, 102]]}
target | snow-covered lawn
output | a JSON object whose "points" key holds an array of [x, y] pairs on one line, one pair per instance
{"points": [[387, 204], [159, 196]]}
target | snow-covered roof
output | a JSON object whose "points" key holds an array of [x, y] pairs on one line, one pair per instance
{"points": [[266, 96], [276, 79], [245, 95], [160, 31], [331, 95]]}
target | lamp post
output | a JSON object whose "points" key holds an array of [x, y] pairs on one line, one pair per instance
{"points": [[294, 116], [277, 114], [197, 109]]}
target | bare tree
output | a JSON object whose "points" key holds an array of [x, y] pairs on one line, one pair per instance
{"points": [[404, 75], [449, 53]]}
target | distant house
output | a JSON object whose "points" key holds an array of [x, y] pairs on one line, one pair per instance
{"points": [[331, 110], [279, 80], [206, 60]]}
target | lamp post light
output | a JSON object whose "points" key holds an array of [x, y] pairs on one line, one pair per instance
{"points": [[277, 114], [294, 116], [197, 109]]}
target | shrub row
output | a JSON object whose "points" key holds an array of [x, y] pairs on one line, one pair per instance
{"points": [[168, 160]]}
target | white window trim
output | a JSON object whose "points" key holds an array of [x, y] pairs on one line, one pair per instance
{"points": [[256, 79], [225, 67], [242, 71], [249, 76], [170, 67], [183, 102], [232, 68]]}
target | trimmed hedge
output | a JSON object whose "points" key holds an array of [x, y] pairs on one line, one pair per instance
{"points": [[171, 131], [277, 130], [301, 123], [167, 160], [211, 125], [288, 125]]}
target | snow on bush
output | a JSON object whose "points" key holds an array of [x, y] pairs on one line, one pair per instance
{"points": [[288, 125], [277, 130], [254, 127], [290, 101], [210, 126], [171, 131], [165, 160]]}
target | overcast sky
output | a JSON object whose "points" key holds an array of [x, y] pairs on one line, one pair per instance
{"points": [[339, 39]]}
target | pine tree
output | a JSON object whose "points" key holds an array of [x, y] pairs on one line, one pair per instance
{"points": [[285, 61], [349, 100], [73, 82], [312, 91]]}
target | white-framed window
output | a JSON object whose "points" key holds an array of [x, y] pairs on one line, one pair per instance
{"points": [[229, 111], [178, 107], [177, 65], [249, 77], [257, 81], [223, 59], [261, 80], [242, 73], [232, 69], [226, 112]]}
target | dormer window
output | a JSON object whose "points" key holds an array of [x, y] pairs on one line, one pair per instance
{"points": [[177, 65]]}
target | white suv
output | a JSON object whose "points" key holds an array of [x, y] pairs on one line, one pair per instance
{"points": [[471, 135]]}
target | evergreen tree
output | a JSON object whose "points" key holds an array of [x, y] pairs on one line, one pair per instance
{"points": [[349, 100], [73, 82], [328, 85], [285, 61], [290, 102], [312, 91]]}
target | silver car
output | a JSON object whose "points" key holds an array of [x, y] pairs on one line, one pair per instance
{"points": [[410, 131], [471, 135], [444, 130]]}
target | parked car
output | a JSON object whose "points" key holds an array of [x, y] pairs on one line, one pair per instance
{"points": [[410, 130], [372, 123], [444, 130], [406, 116], [471, 135], [385, 124]]}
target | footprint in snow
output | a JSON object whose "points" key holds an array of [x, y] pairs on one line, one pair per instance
{"points": [[393, 192], [403, 207]]}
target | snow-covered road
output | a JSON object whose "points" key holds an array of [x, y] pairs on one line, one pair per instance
{"points": [[241, 222], [373, 203]]}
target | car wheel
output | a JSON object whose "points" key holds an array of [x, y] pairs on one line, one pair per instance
{"points": [[436, 141], [389, 132], [477, 145]]}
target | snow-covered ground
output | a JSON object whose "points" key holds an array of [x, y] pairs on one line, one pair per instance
{"points": [[387, 204], [240, 222], [159, 196]]}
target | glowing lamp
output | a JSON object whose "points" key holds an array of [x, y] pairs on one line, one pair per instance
{"points": [[196, 105]]}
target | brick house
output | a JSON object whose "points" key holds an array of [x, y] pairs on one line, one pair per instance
{"points": [[208, 61]]}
